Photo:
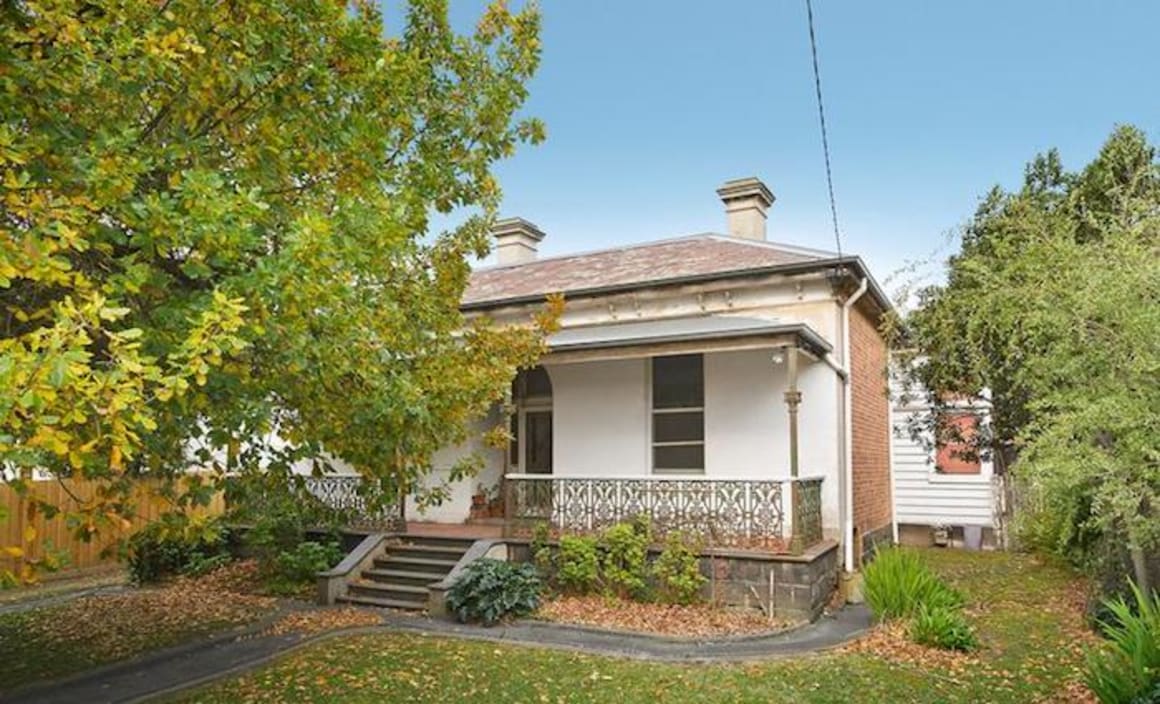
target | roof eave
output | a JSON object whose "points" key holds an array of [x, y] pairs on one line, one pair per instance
{"points": [[791, 268], [806, 336]]}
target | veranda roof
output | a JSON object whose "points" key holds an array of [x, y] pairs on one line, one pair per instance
{"points": [[688, 334]]}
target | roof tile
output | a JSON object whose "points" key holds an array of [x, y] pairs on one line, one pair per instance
{"points": [[698, 255]]}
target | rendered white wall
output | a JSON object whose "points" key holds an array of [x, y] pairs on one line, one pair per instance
{"points": [[818, 430], [746, 428], [747, 424], [601, 426], [458, 506], [600, 418]]}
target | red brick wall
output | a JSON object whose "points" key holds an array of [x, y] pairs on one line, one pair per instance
{"points": [[870, 412]]}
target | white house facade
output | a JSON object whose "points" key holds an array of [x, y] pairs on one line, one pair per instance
{"points": [[716, 376]]}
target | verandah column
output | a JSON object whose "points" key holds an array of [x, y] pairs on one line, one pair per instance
{"points": [[793, 399]]}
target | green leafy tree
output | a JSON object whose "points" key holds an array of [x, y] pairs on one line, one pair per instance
{"points": [[215, 227], [1052, 309]]}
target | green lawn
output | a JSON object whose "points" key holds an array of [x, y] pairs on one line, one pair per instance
{"points": [[1027, 614]]}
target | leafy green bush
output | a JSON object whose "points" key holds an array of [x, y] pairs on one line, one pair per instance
{"points": [[579, 563], [624, 563], [294, 571], [491, 590], [1127, 670], [942, 627], [540, 549], [200, 564], [897, 583], [279, 513], [678, 570], [175, 544]]}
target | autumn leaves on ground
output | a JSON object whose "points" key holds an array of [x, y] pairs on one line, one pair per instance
{"points": [[82, 633], [1029, 618]]}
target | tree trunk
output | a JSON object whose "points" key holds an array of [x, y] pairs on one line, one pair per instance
{"points": [[1140, 567]]}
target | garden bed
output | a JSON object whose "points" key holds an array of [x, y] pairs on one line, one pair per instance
{"points": [[692, 621]]}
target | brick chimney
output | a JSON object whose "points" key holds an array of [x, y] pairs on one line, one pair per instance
{"points": [[516, 241], [746, 202]]}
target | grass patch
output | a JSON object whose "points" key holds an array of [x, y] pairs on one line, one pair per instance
{"points": [[58, 640], [1029, 618]]}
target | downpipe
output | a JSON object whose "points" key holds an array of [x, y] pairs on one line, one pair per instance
{"points": [[847, 430]]}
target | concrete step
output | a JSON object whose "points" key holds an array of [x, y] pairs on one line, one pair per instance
{"points": [[438, 567], [407, 577], [391, 592], [439, 541], [383, 603], [440, 552]]}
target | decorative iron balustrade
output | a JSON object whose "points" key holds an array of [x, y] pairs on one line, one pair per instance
{"points": [[740, 513], [807, 510], [341, 493]]}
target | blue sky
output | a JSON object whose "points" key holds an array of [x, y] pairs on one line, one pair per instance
{"points": [[651, 104]]}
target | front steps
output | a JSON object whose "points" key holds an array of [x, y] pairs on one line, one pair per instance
{"points": [[400, 576]]}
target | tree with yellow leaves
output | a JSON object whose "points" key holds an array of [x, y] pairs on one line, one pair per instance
{"points": [[215, 225]]}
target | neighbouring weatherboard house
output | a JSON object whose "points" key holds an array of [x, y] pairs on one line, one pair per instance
{"points": [[942, 493], [719, 383]]}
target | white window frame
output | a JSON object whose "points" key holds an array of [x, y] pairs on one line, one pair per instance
{"points": [[653, 412]]}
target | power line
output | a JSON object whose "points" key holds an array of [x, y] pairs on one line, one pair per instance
{"points": [[822, 120]]}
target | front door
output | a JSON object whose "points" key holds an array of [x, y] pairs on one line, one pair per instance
{"points": [[537, 442]]}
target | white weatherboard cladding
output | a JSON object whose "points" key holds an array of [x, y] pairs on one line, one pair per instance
{"points": [[925, 497]]}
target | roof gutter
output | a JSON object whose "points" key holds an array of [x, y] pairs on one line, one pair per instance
{"points": [[812, 342]]}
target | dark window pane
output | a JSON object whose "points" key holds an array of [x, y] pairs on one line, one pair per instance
{"points": [[537, 383], [678, 382], [675, 427], [539, 442], [679, 457]]}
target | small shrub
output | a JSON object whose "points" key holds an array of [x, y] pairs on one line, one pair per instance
{"points": [[897, 583], [579, 563], [492, 590], [624, 567], [168, 546], [942, 627], [1127, 670], [294, 571], [200, 564], [540, 549], [678, 570]]}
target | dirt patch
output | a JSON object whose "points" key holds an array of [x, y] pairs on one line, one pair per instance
{"points": [[697, 620]]}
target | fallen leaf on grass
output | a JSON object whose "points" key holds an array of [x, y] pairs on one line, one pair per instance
{"points": [[324, 620], [890, 642], [112, 626]]}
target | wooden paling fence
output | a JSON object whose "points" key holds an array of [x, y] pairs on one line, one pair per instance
{"points": [[56, 536]]}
